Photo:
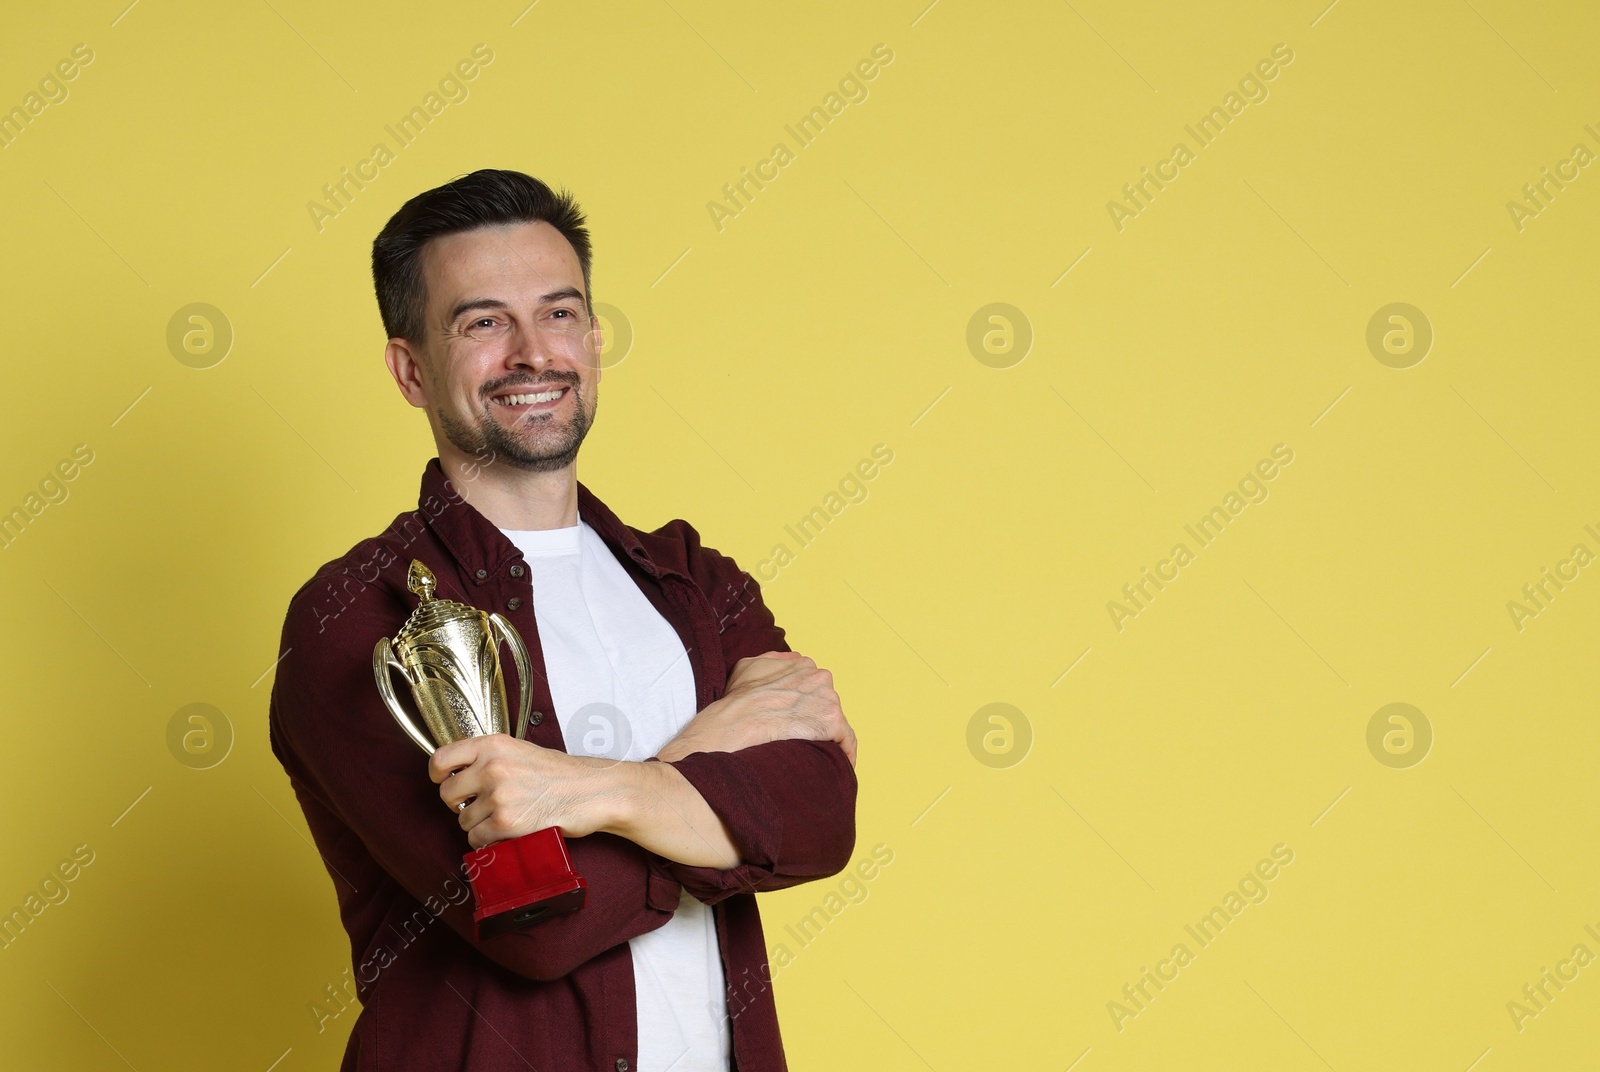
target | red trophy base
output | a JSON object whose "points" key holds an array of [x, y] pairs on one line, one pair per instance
{"points": [[522, 881]]}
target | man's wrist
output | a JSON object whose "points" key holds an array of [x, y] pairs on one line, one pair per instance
{"points": [[620, 790], [724, 725]]}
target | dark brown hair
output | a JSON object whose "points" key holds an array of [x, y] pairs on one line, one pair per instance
{"points": [[482, 199]]}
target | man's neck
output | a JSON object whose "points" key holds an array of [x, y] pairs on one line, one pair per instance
{"points": [[517, 499]]}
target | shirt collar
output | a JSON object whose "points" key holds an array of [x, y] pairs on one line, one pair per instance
{"points": [[483, 551]]}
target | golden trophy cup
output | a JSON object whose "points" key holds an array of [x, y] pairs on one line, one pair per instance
{"points": [[449, 653]]}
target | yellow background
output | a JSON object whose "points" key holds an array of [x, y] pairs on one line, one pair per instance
{"points": [[1229, 717]]}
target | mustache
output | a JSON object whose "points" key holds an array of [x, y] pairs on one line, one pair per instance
{"points": [[494, 387]]}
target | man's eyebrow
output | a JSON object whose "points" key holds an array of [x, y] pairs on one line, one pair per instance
{"points": [[558, 295], [471, 304]]}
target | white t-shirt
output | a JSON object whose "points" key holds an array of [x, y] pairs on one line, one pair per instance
{"points": [[623, 687]]}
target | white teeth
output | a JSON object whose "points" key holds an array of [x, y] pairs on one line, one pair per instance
{"points": [[528, 400]]}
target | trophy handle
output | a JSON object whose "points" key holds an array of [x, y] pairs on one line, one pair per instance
{"points": [[382, 659], [519, 652]]}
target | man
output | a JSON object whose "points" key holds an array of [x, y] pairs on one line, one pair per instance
{"points": [[688, 757]]}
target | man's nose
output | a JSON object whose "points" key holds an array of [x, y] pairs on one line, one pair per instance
{"points": [[528, 350]]}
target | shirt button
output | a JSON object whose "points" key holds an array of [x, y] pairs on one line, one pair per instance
{"points": [[513, 603], [516, 570], [536, 718], [622, 1064], [481, 574]]}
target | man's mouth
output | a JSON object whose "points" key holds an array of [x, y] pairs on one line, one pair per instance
{"points": [[530, 400]]}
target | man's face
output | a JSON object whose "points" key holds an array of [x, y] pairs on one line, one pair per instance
{"points": [[508, 360]]}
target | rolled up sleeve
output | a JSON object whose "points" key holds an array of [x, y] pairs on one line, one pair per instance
{"points": [[789, 806]]}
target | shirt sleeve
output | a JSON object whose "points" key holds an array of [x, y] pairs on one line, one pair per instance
{"points": [[341, 745], [789, 806]]}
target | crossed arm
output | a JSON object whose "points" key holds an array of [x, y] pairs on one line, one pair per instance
{"points": [[502, 787], [773, 755]]}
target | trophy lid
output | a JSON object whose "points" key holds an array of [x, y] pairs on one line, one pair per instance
{"points": [[431, 611], [420, 580]]}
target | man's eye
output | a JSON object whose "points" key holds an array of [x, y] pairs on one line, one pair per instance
{"points": [[485, 320], [563, 312]]}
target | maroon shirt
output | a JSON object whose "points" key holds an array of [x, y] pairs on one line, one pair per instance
{"points": [[558, 996]]}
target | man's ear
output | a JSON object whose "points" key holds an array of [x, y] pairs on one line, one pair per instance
{"points": [[405, 365]]}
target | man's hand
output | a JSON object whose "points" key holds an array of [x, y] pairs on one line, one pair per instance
{"points": [[512, 787], [775, 696]]}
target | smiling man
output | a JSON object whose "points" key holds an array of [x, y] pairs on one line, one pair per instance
{"points": [[689, 758]]}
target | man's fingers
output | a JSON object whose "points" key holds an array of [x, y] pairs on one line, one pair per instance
{"points": [[467, 817], [766, 655], [844, 735], [849, 745], [451, 758], [750, 662], [466, 785], [766, 665]]}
